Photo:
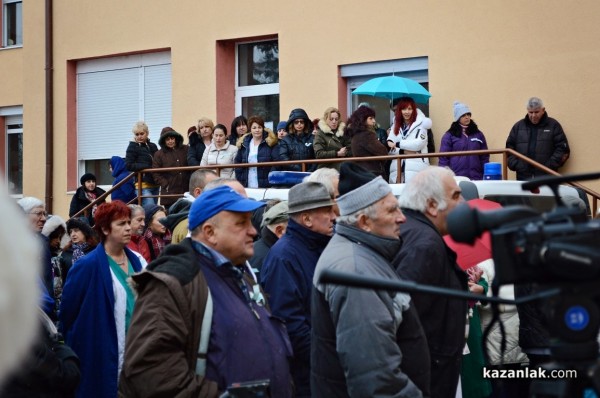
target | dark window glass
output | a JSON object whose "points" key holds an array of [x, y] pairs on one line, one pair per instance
{"points": [[99, 168], [266, 106], [258, 63], [14, 162], [14, 30]]}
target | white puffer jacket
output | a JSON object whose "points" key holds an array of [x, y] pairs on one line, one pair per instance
{"points": [[414, 140]]}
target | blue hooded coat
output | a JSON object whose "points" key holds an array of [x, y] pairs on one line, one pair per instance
{"points": [[125, 192]]}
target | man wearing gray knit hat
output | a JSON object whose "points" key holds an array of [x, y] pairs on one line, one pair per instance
{"points": [[365, 341], [288, 270]]}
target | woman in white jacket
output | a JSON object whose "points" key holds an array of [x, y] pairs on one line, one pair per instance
{"points": [[220, 151], [408, 135]]}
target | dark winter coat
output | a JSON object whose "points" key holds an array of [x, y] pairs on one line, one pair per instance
{"points": [[139, 157], [79, 201], [545, 142], [287, 275], [262, 247], [195, 150], [267, 152], [173, 182], [533, 332], [454, 141], [297, 147], [125, 192], [365, 143], [365, 343], [51, 370], [327, 144], [162, 345], [426, 259]]}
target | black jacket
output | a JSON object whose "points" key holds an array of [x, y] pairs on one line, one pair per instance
{"points": [[262, 247], [297, 147], [196, 150], [550, 148], [79, 201], [267, 152], [139, 157], [426, 259]]}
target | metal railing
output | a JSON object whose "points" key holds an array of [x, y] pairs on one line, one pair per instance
{"points": [[505, 152]]}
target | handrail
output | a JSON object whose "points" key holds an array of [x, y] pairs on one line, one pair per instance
{"points": [[505, 152]]}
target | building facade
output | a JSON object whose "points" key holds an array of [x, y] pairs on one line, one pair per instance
{"points": [[78, 87]]}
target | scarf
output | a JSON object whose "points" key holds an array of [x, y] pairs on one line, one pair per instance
{"points": [[78, 251], [157, 243], [91, 196]]}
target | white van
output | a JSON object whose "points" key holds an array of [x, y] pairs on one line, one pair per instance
{"points": [[505, 192]]}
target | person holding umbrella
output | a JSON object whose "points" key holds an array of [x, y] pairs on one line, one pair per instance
{"points": [[408, 136]]}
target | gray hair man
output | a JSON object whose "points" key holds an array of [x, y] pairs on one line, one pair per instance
{"points": [[540, 138], [365, 342], [426, 259], [289, 267]]}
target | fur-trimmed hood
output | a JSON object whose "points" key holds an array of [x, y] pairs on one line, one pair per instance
{"points": [[324, 127], [52, 224], [268, 136], [170, 133]]}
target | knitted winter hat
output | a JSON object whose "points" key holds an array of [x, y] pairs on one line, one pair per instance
{"points": [[281, 125], [151, 210], [87, 177], [460, 109], [359, 188]]}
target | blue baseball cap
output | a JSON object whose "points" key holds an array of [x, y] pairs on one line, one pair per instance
{"points": [[214, 201]]}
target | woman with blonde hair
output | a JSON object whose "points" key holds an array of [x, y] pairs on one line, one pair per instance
{"points": [[199, 140], [139, 156], [330, 140]]}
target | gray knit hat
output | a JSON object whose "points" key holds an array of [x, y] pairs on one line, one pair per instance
{"points": [[460, 109], [359, 188], [308, 196]]}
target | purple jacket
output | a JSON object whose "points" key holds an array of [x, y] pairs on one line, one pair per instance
{"points": [[454, 140]]}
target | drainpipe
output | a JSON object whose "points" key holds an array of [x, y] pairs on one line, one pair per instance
{"points": [[49, 107]]}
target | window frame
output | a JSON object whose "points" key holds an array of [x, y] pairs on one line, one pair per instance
{"points": [[12, 115], [18, 23], [256, 90]]}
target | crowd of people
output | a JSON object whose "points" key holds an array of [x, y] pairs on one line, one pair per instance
{"points": [[209, 288]]}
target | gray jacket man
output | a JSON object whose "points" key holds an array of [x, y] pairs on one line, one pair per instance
{"points": [[365, 343]]}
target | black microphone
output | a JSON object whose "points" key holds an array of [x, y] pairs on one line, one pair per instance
{"points": [[466, 224]]}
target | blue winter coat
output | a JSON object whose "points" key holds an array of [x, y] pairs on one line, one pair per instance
{"points": [[287, 275], [454, 140], [88, 322], [125, 192], [267, 152]]}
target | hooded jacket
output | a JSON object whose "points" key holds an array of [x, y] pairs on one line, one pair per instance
{"points": [[125, 192], [327, 143], [297, 147], [174, 182], [267, 152], [454, 141]]}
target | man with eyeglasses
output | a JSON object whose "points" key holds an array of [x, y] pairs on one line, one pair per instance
{"points": [[35, 210], [298, 144]]}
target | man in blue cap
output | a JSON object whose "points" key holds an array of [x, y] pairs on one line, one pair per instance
{"points": [[200, 322]]}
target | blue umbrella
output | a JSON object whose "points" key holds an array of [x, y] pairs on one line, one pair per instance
{"points": [[392, 87]]}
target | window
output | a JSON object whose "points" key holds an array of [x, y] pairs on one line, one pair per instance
{"points": [[257, 80], [12, 23], [14, 154], [113, 94], [357, 74]]}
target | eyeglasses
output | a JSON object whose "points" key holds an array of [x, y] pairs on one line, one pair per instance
{"points": [[298, 121], [39, 214]]}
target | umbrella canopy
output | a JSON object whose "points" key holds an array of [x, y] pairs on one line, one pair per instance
{"points": [[481, 250], [392, 87]]}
